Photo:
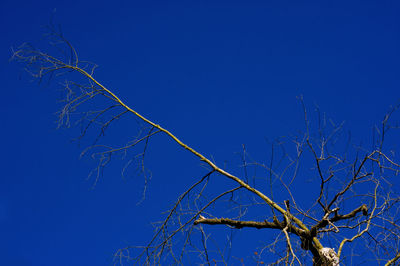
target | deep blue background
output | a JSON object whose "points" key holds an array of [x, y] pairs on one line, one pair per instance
{"points": [[216, 73]]}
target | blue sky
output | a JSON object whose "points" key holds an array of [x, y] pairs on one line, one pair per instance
{"points": [[218, 74]]}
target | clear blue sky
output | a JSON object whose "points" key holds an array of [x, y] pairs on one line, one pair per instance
{"points": [[218, 74]]}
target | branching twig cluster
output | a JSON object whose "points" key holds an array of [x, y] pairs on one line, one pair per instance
{"points": [[351, 197]]}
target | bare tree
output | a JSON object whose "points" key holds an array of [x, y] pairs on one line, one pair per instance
{"points": [[352, 202]]}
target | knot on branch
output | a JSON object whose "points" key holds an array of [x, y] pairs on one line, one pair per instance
{"points": [[306, 238], [306, 243], [364, 209]]}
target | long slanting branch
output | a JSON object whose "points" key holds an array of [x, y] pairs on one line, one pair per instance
{"points": [[198, 154], [52, 64]]}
